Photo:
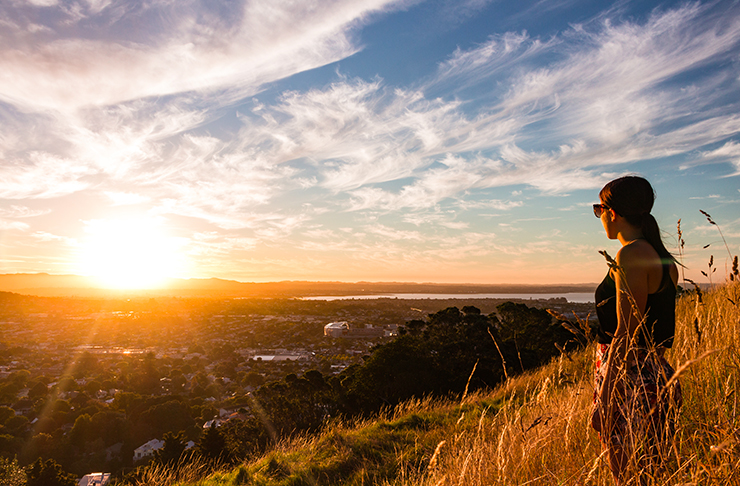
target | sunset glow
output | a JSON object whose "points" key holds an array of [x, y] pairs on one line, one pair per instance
{"points": [[360, 140], [128, 254]]}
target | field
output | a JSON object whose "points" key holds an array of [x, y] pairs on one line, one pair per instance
{"points": [[531, 430]]}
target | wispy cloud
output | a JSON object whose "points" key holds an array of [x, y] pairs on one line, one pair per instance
{"points": [[729, 152], [607, 99], [13, 225], [161, 48], [16, 211], [41, 175]]}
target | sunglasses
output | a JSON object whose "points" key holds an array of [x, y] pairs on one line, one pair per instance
{"points": [[599, 209]]}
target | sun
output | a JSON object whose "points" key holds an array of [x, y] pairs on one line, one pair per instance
{"points": [[129, 253]]}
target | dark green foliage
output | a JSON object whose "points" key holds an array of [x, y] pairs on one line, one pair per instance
{"points": [[437, 356], [170, 416], [111, 427], [5, 414], [146, 379], [174, 446], [16, 424], [38, 390], [394, 371], [245, 438], [294, 404], [48, 473], [530, 333], [212, 445], [9, 444], [253, 379], [80, 431]]}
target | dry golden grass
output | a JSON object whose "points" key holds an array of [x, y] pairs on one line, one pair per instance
{"points": [[192, 472], [532, 430], [541, 434]]}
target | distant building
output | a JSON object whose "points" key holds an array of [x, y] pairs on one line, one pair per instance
{"points": [[148, 449], [336, 329], [95, 479], [342, 330], [213, 423], [278, 357]]}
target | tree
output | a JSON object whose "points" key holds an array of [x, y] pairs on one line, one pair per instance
{"points": [[394, 372], [469, 309], [19, 377], [174, 446], [109, 426], [92, 387], [315, 378], [80, 431], [146, 380], [11, 474], [171, 416], [5, 414], [253, 379], [38, 390], [48, 473], [178, 381], [17, 424], [86, 365], [531, 332], [212, 445]]}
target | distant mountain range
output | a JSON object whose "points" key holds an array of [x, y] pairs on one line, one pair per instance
{"points": [[74, 285]]}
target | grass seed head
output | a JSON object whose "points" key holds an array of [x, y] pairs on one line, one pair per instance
{"points": [[709, 218]]}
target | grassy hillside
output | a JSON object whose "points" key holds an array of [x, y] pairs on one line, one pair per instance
{"points": [[531, 430]]}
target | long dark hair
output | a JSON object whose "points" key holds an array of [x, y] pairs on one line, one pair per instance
{"points": [[632, 198]]}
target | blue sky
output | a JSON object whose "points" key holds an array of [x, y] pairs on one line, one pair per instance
{"points": [[442, 141]]}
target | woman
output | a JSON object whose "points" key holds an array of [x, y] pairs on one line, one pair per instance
{"points": [[634, 410]]}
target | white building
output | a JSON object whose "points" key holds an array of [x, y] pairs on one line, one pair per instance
{"points": [[148, 449], [342, 330], [336, 329], [95, 479]]}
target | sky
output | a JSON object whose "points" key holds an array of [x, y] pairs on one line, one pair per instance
{"points": [[361, 140]]}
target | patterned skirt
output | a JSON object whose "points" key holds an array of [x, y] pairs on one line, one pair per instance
{"points": [[646, 409]]}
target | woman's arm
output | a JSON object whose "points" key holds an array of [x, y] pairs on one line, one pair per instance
{"points": [[631, 278], [632, 292]]}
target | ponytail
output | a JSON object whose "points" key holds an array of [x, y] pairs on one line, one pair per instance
{"points": [[651, 232]]}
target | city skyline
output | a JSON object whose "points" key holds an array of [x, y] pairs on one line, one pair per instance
{"points": [[427, 141]]}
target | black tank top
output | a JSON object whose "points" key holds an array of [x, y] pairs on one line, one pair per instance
{"points": [[660, 312]]}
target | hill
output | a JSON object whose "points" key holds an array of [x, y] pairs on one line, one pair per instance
{"points": [[43, 284], [530, 430]]}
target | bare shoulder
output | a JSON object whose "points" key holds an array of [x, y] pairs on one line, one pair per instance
{"points": [[638, 254]]}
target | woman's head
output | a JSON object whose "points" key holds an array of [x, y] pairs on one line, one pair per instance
{"points": [[632, 197]]}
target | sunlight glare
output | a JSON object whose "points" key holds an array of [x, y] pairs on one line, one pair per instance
{"points": [[129, 254]]}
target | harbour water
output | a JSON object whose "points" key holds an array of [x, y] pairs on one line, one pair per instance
{"points": [[580, 297]]}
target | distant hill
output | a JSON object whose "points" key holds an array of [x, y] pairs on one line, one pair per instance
{"points": [[74, 285]]}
